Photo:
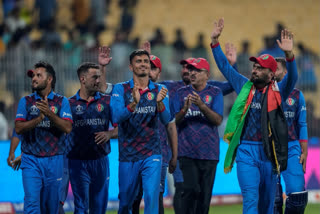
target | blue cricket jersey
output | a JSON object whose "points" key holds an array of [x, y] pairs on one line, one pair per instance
{"points": [[296, 115], [198, 138], [138, 131], [89, 118], [252, 127], [172, 87], [46, 139]]}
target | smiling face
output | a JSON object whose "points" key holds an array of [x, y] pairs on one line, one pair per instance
{"points": [[40, 79], [140, 65]]}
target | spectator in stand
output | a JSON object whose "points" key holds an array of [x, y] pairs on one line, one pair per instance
{"points": [[271, 47], [179, 45], [51, 38], [243, 63], [47, 11], [200, 50]]}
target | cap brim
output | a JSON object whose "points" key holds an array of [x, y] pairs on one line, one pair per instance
{"points": [[153, 63], [257, 60], [253, 59], [195, 65], [182, 62], [30, 73]]}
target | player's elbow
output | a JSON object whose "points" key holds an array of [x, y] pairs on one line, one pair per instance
{"points": [[219, 121], [18, 130], [68, 128]]}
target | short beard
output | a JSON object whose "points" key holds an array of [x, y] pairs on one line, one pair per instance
{"points": [[186, 80], [259, 81], [39, 88], [142, 75]]}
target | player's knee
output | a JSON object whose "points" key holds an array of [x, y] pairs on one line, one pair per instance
{"points": [[296, 202], [151, 194]]}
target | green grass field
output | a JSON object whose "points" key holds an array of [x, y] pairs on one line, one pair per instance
{"points": [[234, 209]]}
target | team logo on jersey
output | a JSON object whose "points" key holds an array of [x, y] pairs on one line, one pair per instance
{"points": [[79, 109], [264, 57], [54, 109], [290, 101], [150, 96], [99, 107], [34, 110], [207, 99]]}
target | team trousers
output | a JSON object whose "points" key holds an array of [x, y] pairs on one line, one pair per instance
{"points": [[42, 178]]}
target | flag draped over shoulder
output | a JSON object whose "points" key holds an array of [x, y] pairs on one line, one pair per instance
{"points": [[235, 123], [274, 126]]}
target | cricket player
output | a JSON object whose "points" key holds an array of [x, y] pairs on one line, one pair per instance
{"points": [[167, 134], [90, 146], [43, 119], [257, 122], [295, 112], [137, 105]]}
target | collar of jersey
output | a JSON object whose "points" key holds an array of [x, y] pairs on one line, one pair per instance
{"points": [[150, 85], [49, 97], [190, 86], [96, 95]]}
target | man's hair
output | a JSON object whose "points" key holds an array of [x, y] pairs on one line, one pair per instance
{"points": [[138, 52], [281, 60], [49, 69], [84, 68]]}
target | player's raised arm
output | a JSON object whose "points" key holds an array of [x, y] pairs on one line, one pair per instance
{"points": [[231, 53], [217, 30], [288, 82], [104, 58], [146, 46], [234, 78]]}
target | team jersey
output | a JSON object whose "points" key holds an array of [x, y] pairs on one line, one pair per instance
{"points": [[198, 138], [88, 119], [45, 139], [252, 128], [138, 130], [296, 115], [172, 87]]}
